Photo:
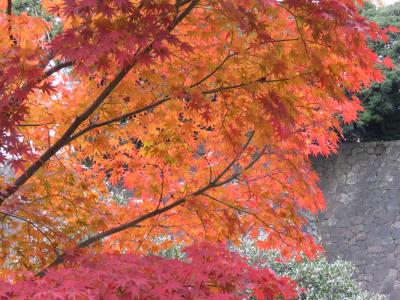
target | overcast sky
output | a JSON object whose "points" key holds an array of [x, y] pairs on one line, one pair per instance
{"points": [[389, 1]]}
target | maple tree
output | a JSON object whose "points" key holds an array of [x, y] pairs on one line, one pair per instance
{"points": [[207, 276], [202, 112]]}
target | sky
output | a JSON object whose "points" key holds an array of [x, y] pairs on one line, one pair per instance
{"points": [[389, 1]]}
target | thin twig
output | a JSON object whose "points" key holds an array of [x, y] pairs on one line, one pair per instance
{"points": [[235, 160], [99, 236], [34, 226], [245, 212], [217, 68], [259, 80]]}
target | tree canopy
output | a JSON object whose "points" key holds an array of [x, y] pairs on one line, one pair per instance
{"points": [[380, 119], [202, 113]]}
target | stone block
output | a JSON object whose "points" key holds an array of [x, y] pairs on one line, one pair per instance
{"points": [[361, 237], [395, 294], [395, 233], [357, 220], [380, 149], [362, 223], [388, 283], [375, 249], [358, 228]]}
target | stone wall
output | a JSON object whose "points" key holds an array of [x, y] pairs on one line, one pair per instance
{"points": [[362, 222]]}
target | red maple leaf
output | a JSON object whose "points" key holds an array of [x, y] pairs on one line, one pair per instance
{"points": [[388, 63]]}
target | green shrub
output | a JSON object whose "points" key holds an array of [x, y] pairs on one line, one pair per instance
{"points": [[318, 279]]}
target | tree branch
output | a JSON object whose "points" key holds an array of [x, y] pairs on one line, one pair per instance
{"points": [[34, 124], [34, 226], [56, 68], [183, 15], [239, 209], [117, 119], [168, 98], [145, 108], [63, 140], [214, 71], [250, 165], [235, 160], [9, 7], [97, 237], [259, 80]]}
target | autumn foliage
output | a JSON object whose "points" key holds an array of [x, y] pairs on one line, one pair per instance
{"points": [[202, 113], [210, 273]]}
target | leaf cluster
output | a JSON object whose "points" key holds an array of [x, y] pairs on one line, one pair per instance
{"points": [[208, 272]]}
